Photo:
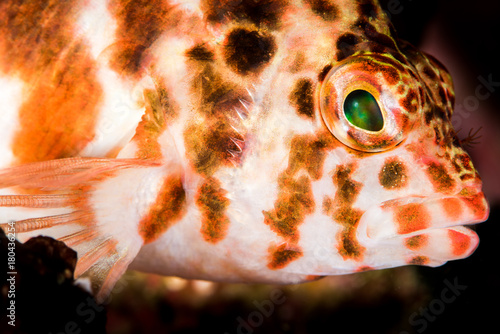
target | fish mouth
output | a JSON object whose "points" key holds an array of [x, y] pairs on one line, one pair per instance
{"points": [[440, 221]]}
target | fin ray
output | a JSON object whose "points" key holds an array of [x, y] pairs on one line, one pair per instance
{"points": [[104, 247]]}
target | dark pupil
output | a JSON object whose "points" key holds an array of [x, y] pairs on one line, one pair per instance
{"points": [[362, 110]]}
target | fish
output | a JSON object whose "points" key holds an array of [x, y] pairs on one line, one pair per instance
{"points": [[271, 141]]}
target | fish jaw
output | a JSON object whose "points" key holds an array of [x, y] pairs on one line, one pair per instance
{"points": [[424, 230]]}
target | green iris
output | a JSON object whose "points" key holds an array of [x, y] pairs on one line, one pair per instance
{"points": [[362, 110]]}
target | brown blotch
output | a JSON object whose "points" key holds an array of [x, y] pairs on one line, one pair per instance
{"points": [[347, 189], [302, 97], [440, 178], [367, 9], [212, 202], [209, 137], [208, 145], [295, 198], [295, 201], [324, 72], [200, 53], [140, 23], [409, 101], [326, 9], [346, 45], [168, 208], [393, 174], [153, 123], [309, 152], [213, 92], [416, 242], [466, 177], [419, 260], [340, 208], [281, 256], [247, 51], [349, 247], [411, 217], [428, 116], [262, 12]]}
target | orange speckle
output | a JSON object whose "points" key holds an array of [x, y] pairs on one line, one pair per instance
{"points": [[416, 242], [460, 242], [411, 217], [168, 208], [452, 208]]}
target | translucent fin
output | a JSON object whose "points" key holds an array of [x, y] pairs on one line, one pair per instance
{"points": [[57, 198]]}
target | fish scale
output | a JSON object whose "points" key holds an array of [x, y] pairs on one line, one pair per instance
{"points": [[212, 140]]}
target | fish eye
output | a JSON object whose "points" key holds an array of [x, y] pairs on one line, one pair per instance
{"points": [[360, 102], [362, 110]]}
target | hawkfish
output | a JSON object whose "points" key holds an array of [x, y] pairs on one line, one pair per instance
{"points": [[272, 141]]}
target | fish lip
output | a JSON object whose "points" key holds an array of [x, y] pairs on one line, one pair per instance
{"points": [[378, 222]]}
